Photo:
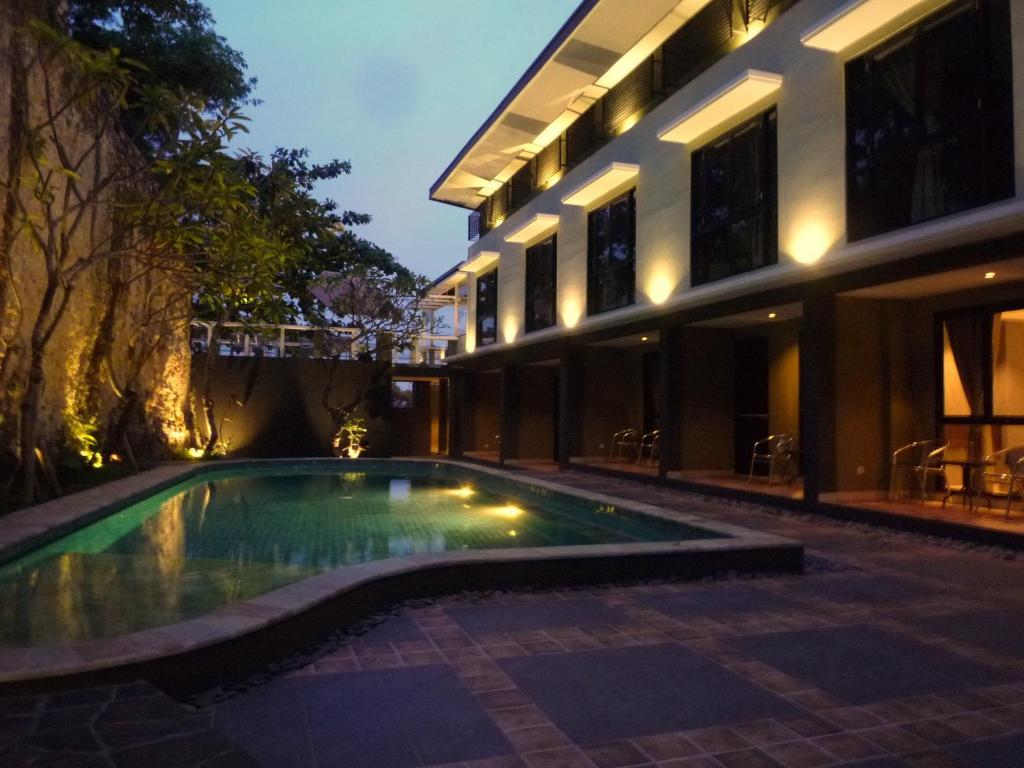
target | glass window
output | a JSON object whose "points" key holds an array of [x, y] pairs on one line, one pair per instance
{"points": [[929, 120], [541, 284], [983, 381], [611, 255], [734, 210], [487, 308], [401, 394]]}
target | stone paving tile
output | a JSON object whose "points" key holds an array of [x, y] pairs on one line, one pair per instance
{"points": [[660, 674]]}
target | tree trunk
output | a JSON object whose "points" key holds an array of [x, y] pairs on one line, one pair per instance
{"points": [[31, 400], [209, 407]]}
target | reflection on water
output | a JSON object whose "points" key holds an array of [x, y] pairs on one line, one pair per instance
{"points": [[189, 551]]}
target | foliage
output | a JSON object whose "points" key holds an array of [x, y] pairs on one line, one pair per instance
{"points": [[175, 39], [317, 231], [181, 208]]}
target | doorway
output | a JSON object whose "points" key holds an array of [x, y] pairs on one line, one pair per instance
{"points": [[750, 388]]}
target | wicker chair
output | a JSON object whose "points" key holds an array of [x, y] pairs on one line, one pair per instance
{"points": [[625, 444], [649, 444], [1003, 474], [776, 451], [918, 461]]}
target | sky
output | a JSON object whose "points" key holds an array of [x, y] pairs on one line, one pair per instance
{"points": [[395, 86]]}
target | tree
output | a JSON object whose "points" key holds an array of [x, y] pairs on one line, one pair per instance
{"points": [[371, 313], [174, 38], [179, 208]]}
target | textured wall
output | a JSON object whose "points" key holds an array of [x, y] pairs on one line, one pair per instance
{"points": [[270, 407], [97, 312]]}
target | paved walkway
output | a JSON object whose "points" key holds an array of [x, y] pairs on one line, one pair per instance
{"points": [[893, 651]]}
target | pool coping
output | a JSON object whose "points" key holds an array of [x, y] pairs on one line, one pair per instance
{"points": [[27, 529]]}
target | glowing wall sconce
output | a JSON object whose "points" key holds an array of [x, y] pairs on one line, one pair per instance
{"points": [[811, 241], [510, 329], [723, 105], [660, 286], [571, 311]]}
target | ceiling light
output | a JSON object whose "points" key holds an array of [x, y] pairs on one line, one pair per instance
{"points": [[989, 275], [643, 338], [771, 315]]}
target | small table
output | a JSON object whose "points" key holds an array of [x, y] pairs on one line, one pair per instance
{"points": [[965, 491]]}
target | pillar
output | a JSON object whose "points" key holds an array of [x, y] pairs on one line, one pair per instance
{"points": [[509, 414], [818, 395], [570, 404], [670, 372]]}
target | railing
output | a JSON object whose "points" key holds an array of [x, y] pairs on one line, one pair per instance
{"points": [[694, 47], [302, 341]]}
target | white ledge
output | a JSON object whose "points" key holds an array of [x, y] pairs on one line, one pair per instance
{"points": [[480, 262], [857, 19], [733, 98], [600, 184], [538, 225]]}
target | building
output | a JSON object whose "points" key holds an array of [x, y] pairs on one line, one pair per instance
{"points": [[729, 219]]}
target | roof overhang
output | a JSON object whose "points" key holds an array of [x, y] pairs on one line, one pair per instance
{"points": [[601, 42]]}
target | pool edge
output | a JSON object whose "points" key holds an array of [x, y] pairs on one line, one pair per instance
{"points": [[243, 634]]}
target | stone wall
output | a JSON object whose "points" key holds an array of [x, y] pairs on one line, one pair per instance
{"points": [[112, 325]]}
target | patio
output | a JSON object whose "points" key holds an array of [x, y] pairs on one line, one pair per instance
{"points": [[875, 659]]}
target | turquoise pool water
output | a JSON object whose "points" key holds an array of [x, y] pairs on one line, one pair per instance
{"points": [[228, 536]]}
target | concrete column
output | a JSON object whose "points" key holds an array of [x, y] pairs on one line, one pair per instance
{"points": [[509, 414], [671, 373], [570, 404], [818, 395]]}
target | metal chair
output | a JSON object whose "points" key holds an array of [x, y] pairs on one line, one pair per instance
{"points": [[625, 441], [919, 460], [648, 443], [1005, 470], [776, 451]]}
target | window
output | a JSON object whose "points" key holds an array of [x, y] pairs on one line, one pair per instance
{"points": [[734, 209], [611, 255], [982, 369], [541, 281], [487, 308], [402, 394], [929, 123]]}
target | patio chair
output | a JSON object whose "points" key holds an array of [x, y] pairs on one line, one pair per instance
{"points": [[776, 451], [1002, 475], [625, 444], [918, 461], [648, 444]]}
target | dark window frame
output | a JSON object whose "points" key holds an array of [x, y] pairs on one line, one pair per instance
{"points": [[981, 142], [706, 231], [540, 279], [489, 279], [625, 271]]}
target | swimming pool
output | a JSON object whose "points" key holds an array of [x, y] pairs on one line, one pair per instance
{"points": [[226, 536]]}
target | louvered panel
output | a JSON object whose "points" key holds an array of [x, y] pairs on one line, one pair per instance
{"points": [[633, 92], [549, 163], [698, 44], [520, 187], [474, 225], [499, 206], [583, 136]]}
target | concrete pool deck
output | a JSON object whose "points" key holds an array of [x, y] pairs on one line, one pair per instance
{"points": [[894, 651], [250, 632]]}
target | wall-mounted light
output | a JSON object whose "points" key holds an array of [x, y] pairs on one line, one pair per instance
{"points": [[643, 338], [510, 329], [989, 275], [772, 315], [571, 311], [811, 241]]}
